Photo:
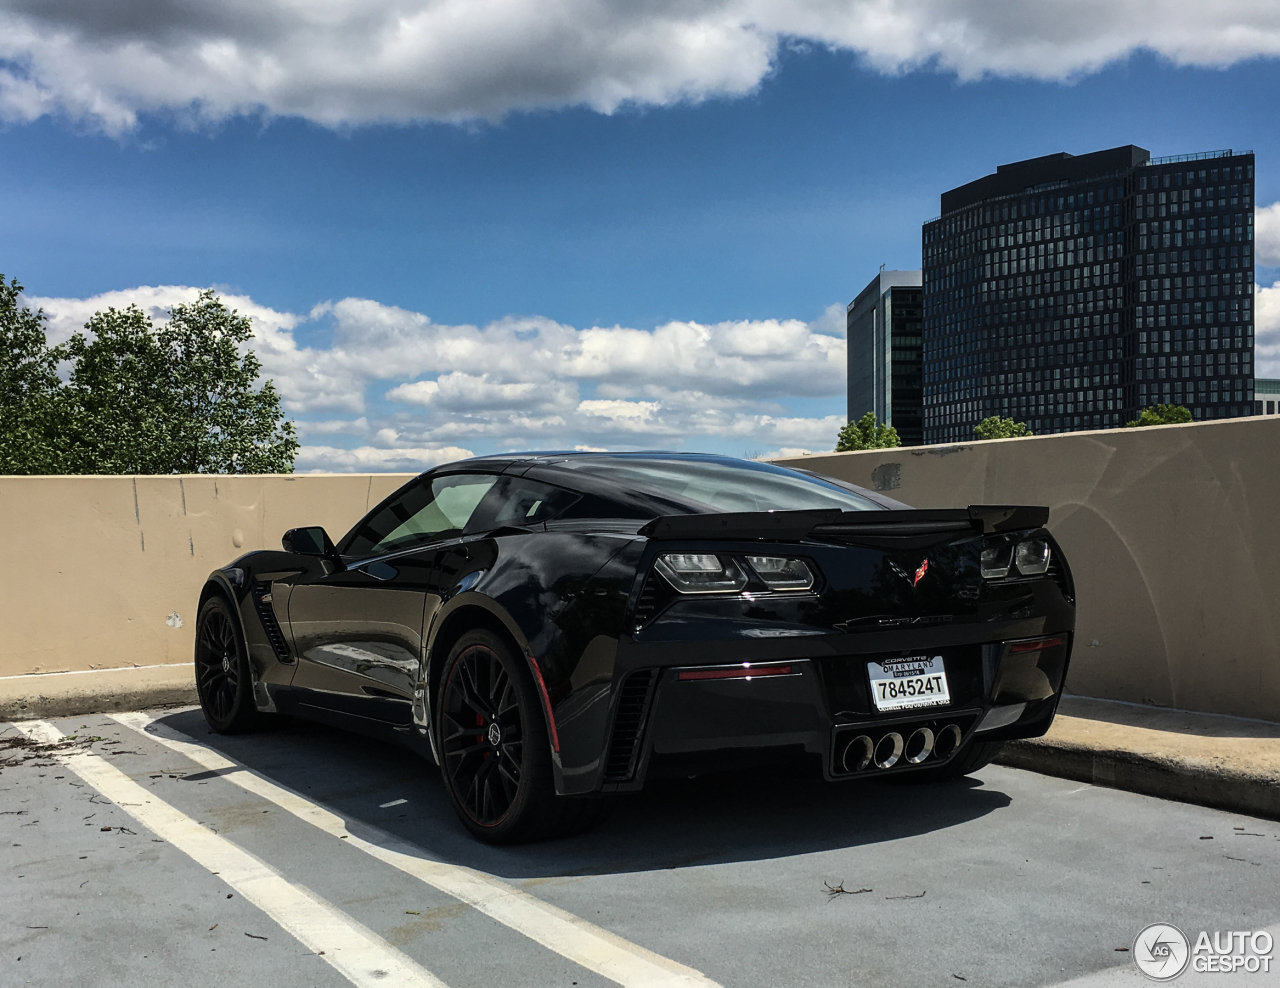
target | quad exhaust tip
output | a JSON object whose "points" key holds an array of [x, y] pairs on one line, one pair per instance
{"points": [[888, 750], [863, 752], [948, 741], [919, 746], [858, 753]]}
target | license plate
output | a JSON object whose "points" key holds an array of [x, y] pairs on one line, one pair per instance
{"points": [[906, 683]]}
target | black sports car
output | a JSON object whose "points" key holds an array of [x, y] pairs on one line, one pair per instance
{"points": [[552, 628]]}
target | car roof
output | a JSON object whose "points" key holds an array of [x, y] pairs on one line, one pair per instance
{"points": [[547, 464]]}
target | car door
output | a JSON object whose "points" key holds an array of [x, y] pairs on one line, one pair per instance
{"points": [[358, 631]]}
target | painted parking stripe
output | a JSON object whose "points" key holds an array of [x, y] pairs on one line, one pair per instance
{"points": [[582, 942], [359, 954]]}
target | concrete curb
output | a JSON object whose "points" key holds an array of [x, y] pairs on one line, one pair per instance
{"points": [[1181, 779], [96, 692]]}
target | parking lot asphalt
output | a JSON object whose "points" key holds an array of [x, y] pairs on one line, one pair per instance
{"points": [[306, 856]]}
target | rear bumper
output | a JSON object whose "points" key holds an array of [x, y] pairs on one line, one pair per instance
{"points": [[816, 706]]}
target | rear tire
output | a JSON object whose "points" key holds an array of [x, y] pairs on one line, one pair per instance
{"points": [[973, 756], [496, 757], [223, 681]]}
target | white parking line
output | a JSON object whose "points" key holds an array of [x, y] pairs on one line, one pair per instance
{"points": [[359, 954], [582, 942]]}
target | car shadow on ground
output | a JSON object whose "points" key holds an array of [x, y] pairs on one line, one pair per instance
{"points": [[673, 823]]}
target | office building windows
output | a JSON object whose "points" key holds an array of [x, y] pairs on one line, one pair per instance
{"points": [[1071, 292]]}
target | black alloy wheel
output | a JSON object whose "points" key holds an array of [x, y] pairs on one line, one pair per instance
{"points": [[493, 742], [222, 671], [483, 737]]}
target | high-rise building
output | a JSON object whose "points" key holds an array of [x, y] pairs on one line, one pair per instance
{"points": [[1070, 292], [883, 325]]}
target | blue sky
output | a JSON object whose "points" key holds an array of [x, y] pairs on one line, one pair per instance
{"points": [[728, 228]]}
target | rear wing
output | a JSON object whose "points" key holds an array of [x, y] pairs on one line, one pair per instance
{"points": [[934, 524]]}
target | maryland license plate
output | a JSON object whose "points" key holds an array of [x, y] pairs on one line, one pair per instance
{"points": [[913, 681]]}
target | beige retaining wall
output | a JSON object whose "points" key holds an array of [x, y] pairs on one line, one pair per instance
{"points": [[1172, 533], [103, 573]]}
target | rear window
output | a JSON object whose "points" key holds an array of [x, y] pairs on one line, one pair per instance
{"points": [[723, 484]]}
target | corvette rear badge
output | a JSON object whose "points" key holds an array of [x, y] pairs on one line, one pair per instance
{"points": [[924, 568]]}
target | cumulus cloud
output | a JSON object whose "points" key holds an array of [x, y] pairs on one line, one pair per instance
{"points": [[352, 62], [67, 316], [1267, 234], [373, 459], [1267, 331], [410, 392]]}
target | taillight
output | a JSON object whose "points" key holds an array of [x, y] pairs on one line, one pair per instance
{"points": [[1038, 645], [701, 572], [744, 671]]}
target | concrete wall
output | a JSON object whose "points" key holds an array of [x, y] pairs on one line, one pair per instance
{"points": [[103, 573], [1172, 533]]}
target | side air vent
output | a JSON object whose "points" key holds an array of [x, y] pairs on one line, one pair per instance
{"points": [[628, 725], [1059, 576], [262, 604], [653, 595]]}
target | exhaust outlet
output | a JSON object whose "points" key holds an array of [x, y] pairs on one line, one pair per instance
{"points": [[858, 753], [888, 750], [919, 746], [948, 741]]}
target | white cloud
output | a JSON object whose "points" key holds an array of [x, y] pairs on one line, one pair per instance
{"points": [[352, 62], [461, 392], [1267, 236], [412, 391], [67, 316], [374, 459], [1267, 331]]}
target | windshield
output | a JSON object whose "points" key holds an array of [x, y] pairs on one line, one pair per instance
{"points": [[722, 483]]}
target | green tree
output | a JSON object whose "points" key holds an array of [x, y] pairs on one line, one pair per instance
{"points": [[180, 399], [867, 433], [1160, 415], [116, 396], [30, 411], [184, 398], [995, 427]]}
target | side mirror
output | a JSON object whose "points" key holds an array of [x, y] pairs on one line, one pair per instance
{"points": [[310, 541]]}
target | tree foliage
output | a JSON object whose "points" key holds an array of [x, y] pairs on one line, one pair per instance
{"points": [[183, 398], [30, 437], [867, 433], [1160, 415], [995, 427]]}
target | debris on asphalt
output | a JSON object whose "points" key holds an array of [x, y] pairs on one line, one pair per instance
{"points": [[1121, 950], [213, 927], [834, 890], [1206, 838], [26, 749], [957, 977], [920, 896], [412, 912], [229, 894], [255, 936]]}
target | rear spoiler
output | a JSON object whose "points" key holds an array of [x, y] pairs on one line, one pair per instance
{"points": [[977, 519]]}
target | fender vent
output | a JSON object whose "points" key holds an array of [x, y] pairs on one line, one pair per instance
{"points": [[1058, 576], [262, 604], [628, 724], [653, 597]]}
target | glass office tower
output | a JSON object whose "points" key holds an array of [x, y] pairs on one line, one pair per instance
{"points": [[883, 331], [1069, 292]]}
